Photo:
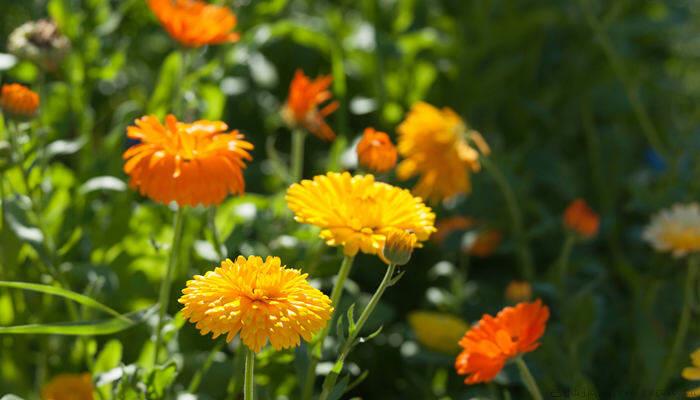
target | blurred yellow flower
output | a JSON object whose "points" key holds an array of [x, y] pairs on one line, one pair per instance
{"points": [[518, 291], [262, 300], [68, 387], [693, 373], [357, 212], [676, 230], [438, 331], [438, 147]]}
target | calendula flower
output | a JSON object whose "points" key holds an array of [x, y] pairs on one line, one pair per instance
{"points": [[18, 100], [482, 243], [263, 300], [195, 23], [376, 152], [580, 219], [40, 42], [68, 387], [438, 331], [493, 341], [302, 107], [693, 373], [676, 230], [398, 247], [189, 163], [357, 212], [518, 291], [437, 146]]}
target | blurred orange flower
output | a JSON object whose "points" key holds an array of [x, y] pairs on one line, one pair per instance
{"points": [[438, 147], [446, 226], [518, 291], [195, 23], [68, 387], [19, 100], [189, 163], [302, 107], [484, 243], [376, 152], [580, 219], [493, 341]]}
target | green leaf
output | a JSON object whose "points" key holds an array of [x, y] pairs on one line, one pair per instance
{"points": [[90, 328], [160, 380], [56, 291], [351, 319], [108, 359], [166, 87]]}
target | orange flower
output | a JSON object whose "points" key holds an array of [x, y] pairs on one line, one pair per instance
{"points": [[517, 291], [19, 100], [301, 109], [493, 341], [195, 23], [375, 151], [580, 219], [447, 226], [483, 243], [68, 387], [189, 163]]}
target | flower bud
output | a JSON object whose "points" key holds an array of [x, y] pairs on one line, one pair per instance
{"points": [[398, 247]]}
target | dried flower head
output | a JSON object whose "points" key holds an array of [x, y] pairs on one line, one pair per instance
{"points": [[357, 212], [18, 100], [40, 42], [376, 152], [440, 149], [189, 163], [493, 341], [302, 107], [263, 300], [195, 23]]}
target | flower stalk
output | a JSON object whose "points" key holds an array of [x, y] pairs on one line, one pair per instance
{"points": [[248, 382], [563, 262], [297, 166], [528, 379]]}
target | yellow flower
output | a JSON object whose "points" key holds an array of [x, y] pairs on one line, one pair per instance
{"points": [[68, 387], [398, 247], [676, 230], [518, 291], [357, 212], [693, 373], [438, 331], [261, 300], [437, 146]]}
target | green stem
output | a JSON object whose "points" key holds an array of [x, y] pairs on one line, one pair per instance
{"points": [[683, 323], [352, 336], [316, 349], [221, 250], [297, 167], [164, 296], [523, 248], [563, 262], [529, 381], [197, 378], [248, 383]]}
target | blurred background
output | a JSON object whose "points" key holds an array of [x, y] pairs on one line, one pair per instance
{"points": [[581, 98]]}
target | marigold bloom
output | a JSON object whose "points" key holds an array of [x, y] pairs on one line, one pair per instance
{"points": [[693, 373], [437, 331], [676, 230], [68, 387], [518, 291], [482, 243], [189, 163], [302, 107], [448, 226], [437, 146], [376, 152], [195, 23], [398, 247], [264, 301], [580, 219], [493, 341], [19, 100], [357, 212]]}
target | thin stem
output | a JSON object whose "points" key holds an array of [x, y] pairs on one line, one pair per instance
{"points": [[683, 323], [530, 382], [165, 285], [248, 383], [315, 356], [563, 262], [197, 378], [352, 336], [221, 250], [297, 167], [523, 248]]}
